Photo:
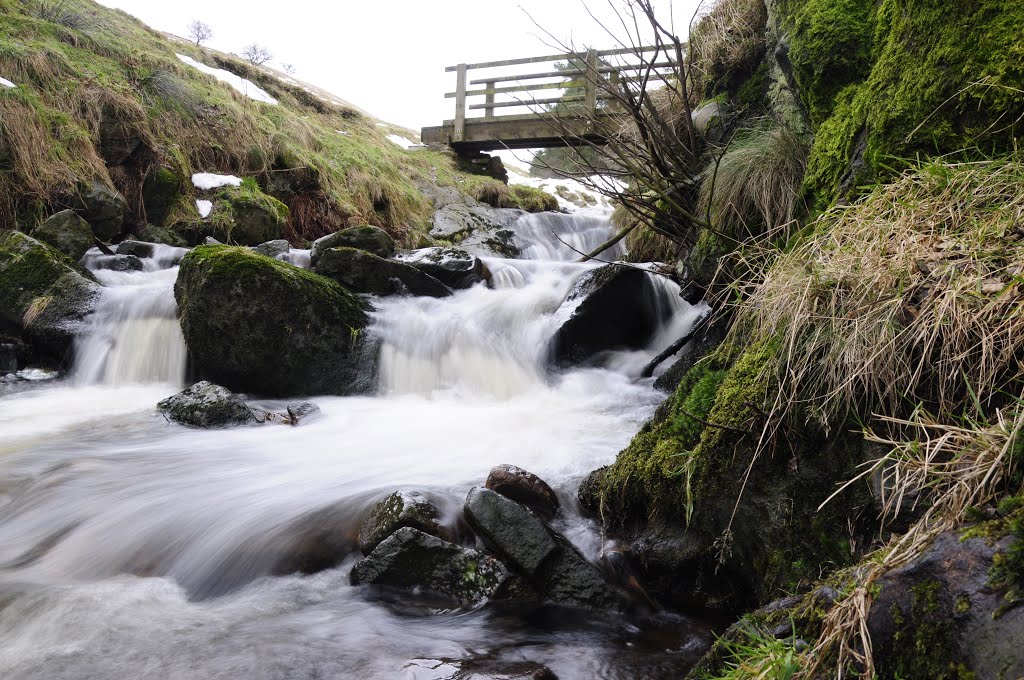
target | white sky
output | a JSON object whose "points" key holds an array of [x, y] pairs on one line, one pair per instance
{"points": [[388, 56]]}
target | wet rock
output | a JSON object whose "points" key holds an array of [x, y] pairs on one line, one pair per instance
{"points": [[412, 560], [400, 509], [303, 412], [67, 232], [44, 296], [154, 234], [262, 326], [476, 669], [549, 561], [273, 248], [103, 208], [211, 241], [451, 266], [314, 541], [370, 239], [525, 488], [364, 272], [160, 190], [613, 307], [139, 249], [118, 263], [477, 228], [9, 350], [207, 405]]}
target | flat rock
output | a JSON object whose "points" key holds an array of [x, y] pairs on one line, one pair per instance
{"points": [[364, 272], [412, 560], [207, 405], [510, 529], [453, 267], [400, 509], [525, 488], [117, 263]]}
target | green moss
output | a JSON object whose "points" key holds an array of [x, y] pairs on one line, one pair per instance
{"points": [[925, 637]]}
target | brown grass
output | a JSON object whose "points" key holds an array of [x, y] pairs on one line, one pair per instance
{"points": [[727, 39]]}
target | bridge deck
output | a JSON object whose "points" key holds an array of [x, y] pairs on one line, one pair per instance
{"points": [[520, 132]]}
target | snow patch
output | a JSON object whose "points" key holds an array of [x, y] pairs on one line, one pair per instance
{"points": [[402, 141], [6, 83], [204, 208], [343, 132], [244, 86], [205, 181]]}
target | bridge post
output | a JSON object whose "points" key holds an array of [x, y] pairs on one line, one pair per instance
{"points": [[459, 133], [489, 94], [590, 92]]}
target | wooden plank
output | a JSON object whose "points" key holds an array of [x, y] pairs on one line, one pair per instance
{"points": [[460, 104], [525, 102], [489, 110], [564, 55], [518, 88], [573, 72], [590, 91]]}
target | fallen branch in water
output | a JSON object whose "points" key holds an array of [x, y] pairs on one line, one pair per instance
{"points": [[675, 346]]}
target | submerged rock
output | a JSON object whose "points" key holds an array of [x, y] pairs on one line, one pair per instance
{"points": [[373, 240], [410, 559], [303, 412], [364, 272], [67, 232], [613, 307], [207, 405], [258, 325], [314, 541], [400, 509], [523, 487], [453, 267]]}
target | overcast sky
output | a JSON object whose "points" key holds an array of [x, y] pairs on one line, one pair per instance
{"points": [[388, 56]]}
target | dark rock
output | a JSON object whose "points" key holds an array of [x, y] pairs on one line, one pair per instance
{"points": [[154, 234], [451, 266], [117, 263], [525, 488], [568, 578], [118, 136], [9, 350], [103, 208], [302, 412], [262, 326], [67, 232], [273, 248], [371, 239], [257, 219], [207, 405], [364, 272], [314, 542], [614, 308], [44, 295], [412, 560], [139, 249], [699, 347], [400, 509], [160, 190], [477, 669], [480, 163]]}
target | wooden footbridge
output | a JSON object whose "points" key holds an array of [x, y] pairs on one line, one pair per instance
{"points": [[586, 111]]}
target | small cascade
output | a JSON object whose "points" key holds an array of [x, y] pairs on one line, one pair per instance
{"points": [[134, 336], [557, 236]]}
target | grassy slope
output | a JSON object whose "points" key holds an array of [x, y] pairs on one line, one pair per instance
{"points": [[91, 74]]}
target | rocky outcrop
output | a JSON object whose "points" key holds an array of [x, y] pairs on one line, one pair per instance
{"points": [[44, 295], [258, 325], [523, 487], [364, 272], [412, 560], [400, 509], [207, 405], [454, 267], [373, 240], [472, 225], [613, 307], [67, 232]]}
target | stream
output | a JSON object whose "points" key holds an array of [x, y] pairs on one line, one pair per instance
{"points": [[131, 547]]}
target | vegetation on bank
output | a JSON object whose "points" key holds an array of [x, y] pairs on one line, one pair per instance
{"points": [[101, 98]]}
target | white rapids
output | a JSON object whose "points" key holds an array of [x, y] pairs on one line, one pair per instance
{"points": [[135, 548]]}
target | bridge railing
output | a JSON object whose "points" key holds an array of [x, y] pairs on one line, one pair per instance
{"points": [[596, 74]]}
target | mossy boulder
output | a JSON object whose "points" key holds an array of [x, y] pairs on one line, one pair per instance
{"points": [[364, 272], [103, 208], [44, 295], [258, 325], [241, 215], [67, 232], [373, 240], [400, 509], [160, 191]]}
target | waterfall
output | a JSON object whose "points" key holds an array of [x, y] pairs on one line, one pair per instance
{"points": [[558, 236], [134, 335]]}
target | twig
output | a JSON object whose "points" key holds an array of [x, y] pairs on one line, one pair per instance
{"points": [[675, 346]]}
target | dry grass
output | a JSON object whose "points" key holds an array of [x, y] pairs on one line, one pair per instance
{"points": [[893, 301], [728, 38]]}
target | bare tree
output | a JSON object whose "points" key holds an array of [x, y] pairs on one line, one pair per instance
{"points": [[256, 54], [199, 31]]}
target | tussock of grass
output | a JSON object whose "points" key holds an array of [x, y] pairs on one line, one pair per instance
{"points": [[726, 41], [910, 296], [755, 185], [642, 243]]}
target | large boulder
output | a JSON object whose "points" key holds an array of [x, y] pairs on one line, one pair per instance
{"points": [[453, 267], [239, 215], [371, 239], [160, 191], [548, 560], [44, 295], [412, 560], [103, 208], [67, 232], [476, 227], [207, 405], [364, 272], [258, 325], [613, 307], [400, 509], [523, 487]]}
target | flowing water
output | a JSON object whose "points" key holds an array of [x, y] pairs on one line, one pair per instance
{"points": [[135, 548]]}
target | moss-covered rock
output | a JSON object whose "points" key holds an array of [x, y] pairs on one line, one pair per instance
{"points": [[373, 240], [67, 232], [258, 325], [241, 215], [160, 191], [103, 208], [44, 295], [364, 272]]}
